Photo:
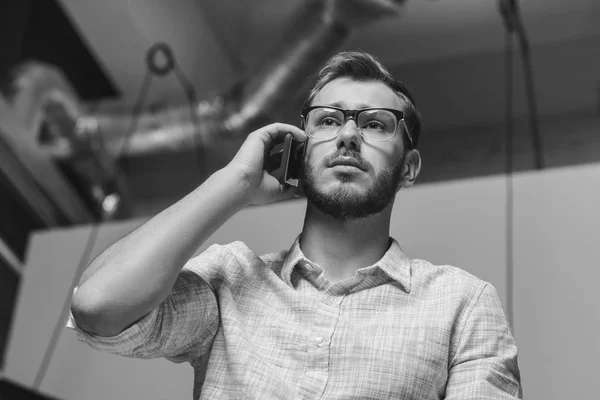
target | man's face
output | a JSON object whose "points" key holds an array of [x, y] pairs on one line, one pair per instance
{"points": [[349, 193]]}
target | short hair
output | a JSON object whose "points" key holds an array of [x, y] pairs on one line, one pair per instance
{"points": [[361, 66]]}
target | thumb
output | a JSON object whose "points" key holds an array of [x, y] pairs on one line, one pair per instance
{"points": [[290, 192]]}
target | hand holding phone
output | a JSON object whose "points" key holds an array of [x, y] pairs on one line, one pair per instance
{"points": [[270, 149], [285, 160]]}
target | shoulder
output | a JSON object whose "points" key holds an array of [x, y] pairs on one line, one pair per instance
{"points": [[423, 269], [453, 294], [234, 259], [446, 281]]}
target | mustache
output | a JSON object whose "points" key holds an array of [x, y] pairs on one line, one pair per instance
{"points": [[345, 152]]}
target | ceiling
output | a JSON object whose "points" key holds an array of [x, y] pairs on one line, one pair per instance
{"points": [[217, 42], [450, 53]]}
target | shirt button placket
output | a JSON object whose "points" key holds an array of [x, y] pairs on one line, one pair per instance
{"points": [[317, 373]]}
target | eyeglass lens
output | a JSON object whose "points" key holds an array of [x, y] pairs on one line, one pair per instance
{"points": [[374, 124]]}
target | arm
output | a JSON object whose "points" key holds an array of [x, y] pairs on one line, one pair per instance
{"points": [[484, 365], [151, 257], [181, 328]]}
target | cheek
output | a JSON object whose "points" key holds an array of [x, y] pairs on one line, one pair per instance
{"points": [[393, 156], [314, 157], [386, 161]]}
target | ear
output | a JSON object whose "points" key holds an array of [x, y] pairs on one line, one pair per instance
{"points": [[410, 168]]}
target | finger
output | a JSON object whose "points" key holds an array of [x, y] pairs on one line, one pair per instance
{"points": [[276, 132], [290, 192]]}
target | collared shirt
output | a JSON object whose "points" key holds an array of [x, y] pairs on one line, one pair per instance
{"points": [[274, 327]]}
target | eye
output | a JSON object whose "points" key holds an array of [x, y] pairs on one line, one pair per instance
{"points": [[329, 121], [373, 125]]}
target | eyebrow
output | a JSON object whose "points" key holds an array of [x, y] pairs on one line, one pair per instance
{"points": [[339, 104]]}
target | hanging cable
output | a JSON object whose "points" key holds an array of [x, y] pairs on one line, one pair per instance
{"points": [[137, 110], [505, 10], [514, 27], [154, 67], [190, 93], [513, 24], [530, 91], [508, 80]]}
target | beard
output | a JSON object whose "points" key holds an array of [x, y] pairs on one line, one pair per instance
{"points": [[346, 203]]}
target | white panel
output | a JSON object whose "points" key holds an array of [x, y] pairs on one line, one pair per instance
{"points": [[460, 223], [76, 371], [556, 282]]}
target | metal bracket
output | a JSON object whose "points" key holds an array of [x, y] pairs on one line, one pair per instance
{"points": [[42, 110]]}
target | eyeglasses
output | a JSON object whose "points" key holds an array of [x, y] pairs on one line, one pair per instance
{"points": [[374, 124]]}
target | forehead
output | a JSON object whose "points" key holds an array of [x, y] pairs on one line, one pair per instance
{"points": [[352, 94]]}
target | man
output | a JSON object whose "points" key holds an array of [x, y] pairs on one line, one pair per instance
{"points": [[344, 313]]}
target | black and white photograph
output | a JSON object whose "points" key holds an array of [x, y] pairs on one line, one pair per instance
{"points": [[299, 199]]}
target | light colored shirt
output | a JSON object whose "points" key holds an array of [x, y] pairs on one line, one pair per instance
{"points": [[274, 327]]}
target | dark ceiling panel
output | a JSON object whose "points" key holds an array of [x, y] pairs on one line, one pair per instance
{"points": [[41, 30]]}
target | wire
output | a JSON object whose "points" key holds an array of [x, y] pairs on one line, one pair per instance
{"points": [[91, 241], [137, 109], [59, 326], [509, 178], [531, 98], [513, 24], [190, 93], [92, 238]]}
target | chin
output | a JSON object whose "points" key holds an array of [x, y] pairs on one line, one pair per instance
{"points": [[343, 186], [350, 196]]}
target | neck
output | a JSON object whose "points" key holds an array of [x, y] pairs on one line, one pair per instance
{"points": [[342, 247]]}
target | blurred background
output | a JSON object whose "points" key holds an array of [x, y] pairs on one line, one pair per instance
{"points": [[111, 111]]}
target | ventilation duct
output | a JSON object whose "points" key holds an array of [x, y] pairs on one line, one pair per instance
{"points": [[71, 152], [319, 28]]}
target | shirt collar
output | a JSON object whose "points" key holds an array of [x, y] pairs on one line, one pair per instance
{"points": [[395, 263]]}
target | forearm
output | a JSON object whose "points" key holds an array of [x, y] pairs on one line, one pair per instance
{"points": [[136, 273]]}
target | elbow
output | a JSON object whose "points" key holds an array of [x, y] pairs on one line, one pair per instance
{"points": [[91, 318]]}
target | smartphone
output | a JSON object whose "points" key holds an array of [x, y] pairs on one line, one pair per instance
{"points": [[285, 159]]}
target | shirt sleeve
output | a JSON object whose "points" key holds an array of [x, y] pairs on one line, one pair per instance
{"points": [[484, 365], [180, 329]]}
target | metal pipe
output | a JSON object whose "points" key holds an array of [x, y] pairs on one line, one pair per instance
{"points": [[44, 102], [319, 28]]}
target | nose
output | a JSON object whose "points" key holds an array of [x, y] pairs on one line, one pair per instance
{"points": [[349, 136]]}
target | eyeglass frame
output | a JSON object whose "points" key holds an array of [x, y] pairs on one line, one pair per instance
{"points": [[353, 114]]}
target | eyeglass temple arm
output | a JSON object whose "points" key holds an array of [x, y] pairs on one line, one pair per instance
{"points": [[408, 133]]}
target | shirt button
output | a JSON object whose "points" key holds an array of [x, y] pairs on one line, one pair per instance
{"points": [[319, 341]]}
